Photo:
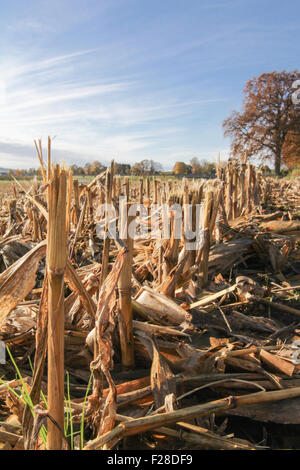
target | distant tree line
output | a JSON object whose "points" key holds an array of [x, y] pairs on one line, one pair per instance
{"points": [[196, 167], [143, 168]]}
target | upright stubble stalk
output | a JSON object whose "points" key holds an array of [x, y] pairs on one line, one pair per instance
{"points": [[56, 262], [106, 244], [124, 284], [229, 191], [207, 237]]}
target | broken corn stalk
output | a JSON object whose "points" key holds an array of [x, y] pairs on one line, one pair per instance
{"points": [[56, 263]]}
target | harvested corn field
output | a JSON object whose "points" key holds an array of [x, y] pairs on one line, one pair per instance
{"points": [[141, 314]]}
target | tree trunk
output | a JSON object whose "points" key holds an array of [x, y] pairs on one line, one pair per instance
{"points": [[277, 162]]}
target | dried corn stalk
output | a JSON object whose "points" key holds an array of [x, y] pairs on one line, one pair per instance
{"points": [[18, 280], [125, 316], [39, 363], [103, 352], [56, 263], [160, 309]]}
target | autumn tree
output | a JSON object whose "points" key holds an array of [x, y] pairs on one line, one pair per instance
{"points": [[74, 169], [202, 167], [122, 168], [146, 167], [291, 150], [96, 168], [268, 116], [150, 167], [136, 169], [181, 168], [87, 168], [196, 166], [209, 168], [80, 171]]}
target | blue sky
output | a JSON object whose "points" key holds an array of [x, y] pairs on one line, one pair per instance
{"points": [[133, 79]]}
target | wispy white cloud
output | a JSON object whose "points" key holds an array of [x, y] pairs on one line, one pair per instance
{"points": [[14, 68], [27, 99], [98, 119]]}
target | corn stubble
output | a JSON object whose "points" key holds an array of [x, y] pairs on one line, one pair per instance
{"points": [[56, 263], [144, 304]]}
